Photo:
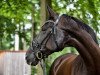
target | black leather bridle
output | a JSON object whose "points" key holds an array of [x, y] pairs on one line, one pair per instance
{"points": [[53, 32]]}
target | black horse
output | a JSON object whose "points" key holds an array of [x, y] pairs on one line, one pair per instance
{"points": [[63, 31]]}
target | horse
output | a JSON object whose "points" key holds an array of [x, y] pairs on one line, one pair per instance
{"points": [[63, 31]]}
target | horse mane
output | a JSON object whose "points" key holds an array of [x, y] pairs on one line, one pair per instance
{"points": [[83, 26]]}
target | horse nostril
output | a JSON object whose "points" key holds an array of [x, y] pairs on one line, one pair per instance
{"points": [[26, 57]]}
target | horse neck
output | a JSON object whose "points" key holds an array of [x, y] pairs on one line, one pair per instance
{"points": [[86, 57], [90, 51]]}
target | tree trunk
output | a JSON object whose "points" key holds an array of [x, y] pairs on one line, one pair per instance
{"points": [[40, 71], [42, 12]]}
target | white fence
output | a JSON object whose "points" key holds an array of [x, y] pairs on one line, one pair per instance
{"points": [[13, 63]]}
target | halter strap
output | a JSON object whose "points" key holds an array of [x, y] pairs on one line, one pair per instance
{"points": [[52, 32], [57, 20]]}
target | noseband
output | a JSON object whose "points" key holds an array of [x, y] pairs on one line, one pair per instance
{"points": [[53, 32]]}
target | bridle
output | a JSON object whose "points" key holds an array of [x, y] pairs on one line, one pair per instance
{"points": [[53, 32]]}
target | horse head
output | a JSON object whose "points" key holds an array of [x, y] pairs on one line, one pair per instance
{"points": [[53, 36]]}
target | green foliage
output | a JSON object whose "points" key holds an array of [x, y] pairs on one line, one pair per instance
{"points": [[13, 16]]}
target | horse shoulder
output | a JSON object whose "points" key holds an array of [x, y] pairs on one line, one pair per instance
{"points": [[78, 67], [62, 65]]}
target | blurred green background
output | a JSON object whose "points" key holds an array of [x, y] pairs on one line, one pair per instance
{"points": [[21, 20]]}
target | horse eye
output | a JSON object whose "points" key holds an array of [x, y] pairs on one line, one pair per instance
{"points": [[44, 27]]}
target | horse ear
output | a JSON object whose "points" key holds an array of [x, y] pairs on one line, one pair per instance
{"points": [[52, 15]]}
